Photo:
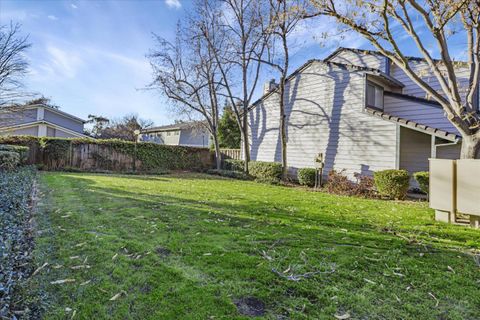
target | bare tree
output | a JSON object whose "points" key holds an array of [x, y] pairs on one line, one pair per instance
{"points": [[284, 16], [123, 128], [13, 65], [238, 25], [388, 24], [187, 73]]}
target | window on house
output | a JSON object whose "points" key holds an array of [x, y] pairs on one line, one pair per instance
{"points": [[169, 133], [374, 96], [177, 133]]}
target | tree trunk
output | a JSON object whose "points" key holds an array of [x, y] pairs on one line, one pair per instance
{"points": [[470, 147], [246, 153], [218, 154]]}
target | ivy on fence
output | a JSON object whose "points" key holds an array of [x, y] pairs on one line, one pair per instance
{"points": [[148, 157]]}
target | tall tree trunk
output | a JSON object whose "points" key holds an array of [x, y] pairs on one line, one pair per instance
{"points": [[283, 129], [470, 147]]}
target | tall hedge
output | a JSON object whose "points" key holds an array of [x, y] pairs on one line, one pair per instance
{"points": [[152, 157]]}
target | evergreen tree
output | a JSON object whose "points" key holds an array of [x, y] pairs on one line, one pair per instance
{"points": [[228, 131]]}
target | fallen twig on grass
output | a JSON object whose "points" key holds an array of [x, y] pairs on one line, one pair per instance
{"points": [[39, 269], [62, 281], [298, 277]]}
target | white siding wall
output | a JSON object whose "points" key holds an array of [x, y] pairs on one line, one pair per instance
{"points": [[421, 68], [325, 114], [374, 61], [422, 113], [415, 149]]}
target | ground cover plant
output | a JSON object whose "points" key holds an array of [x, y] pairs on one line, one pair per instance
{"points": [[194, 246], [15, 237]]}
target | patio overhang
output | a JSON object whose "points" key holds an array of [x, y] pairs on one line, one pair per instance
{"points": [[414, 125]]}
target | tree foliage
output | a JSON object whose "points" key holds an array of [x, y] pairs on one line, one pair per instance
{"points": [[228, 131]]}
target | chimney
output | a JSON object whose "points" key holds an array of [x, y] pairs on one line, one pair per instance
{"points": [[269, 86]]}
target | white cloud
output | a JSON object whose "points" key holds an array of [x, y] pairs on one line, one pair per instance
{"points": [[52, 17], [173, 4], [73, 6], [60, 64]]}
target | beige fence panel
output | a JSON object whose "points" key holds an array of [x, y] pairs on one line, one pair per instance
{"points": [[442, 186], [468, 186], [231, 154]]}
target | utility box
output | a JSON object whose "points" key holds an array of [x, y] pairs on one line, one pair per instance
{"points": [[468, 186], [442, 184]]}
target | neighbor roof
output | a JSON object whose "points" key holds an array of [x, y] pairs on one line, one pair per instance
{"points": [[175, 126], [55, 110]]}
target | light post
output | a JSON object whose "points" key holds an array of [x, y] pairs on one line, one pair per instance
{"points": [[136, 134]]}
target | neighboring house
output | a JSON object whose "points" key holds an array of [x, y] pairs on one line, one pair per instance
{"points": [[40, 121], [360, 111], [191, 134]]}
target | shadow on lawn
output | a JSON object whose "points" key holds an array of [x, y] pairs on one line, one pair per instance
{"points": [[322, 226]]}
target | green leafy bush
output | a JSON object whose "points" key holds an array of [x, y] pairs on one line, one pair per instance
{"points": [[392, 183], [233, 165], [306, 176], [423, 179], [270, 172], [230, 174], [9, 160], [21, 150]]}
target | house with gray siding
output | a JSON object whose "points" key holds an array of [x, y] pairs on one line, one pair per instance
{"points": [[190, 134], [40, 120], [360, 111]]}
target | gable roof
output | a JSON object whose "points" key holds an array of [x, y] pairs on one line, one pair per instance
{"points": [[372, 71], [51, 124], [375, 52], [35, 106]]}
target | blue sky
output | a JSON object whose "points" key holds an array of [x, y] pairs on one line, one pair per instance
{"points": [[89, 56]]}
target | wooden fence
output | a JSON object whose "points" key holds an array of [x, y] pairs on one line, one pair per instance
{"points": [[108, 155], [231, 154]]}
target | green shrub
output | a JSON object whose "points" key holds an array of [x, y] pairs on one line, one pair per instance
{"points": [[270, 172], [423, 179], [306, 176], [21, 150], [230, 174], [9, 160], [392, 183], [233, 165]]}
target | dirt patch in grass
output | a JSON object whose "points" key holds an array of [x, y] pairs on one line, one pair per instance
{"points": [[250, 306], [163, 252]]}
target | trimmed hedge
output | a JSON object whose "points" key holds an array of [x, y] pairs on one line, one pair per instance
{"points": [[270, 172], [230, 174], [55, 153], [21, 150], [9, 160], [392, 183], [423, 179], [233, 165], [306, 176]]}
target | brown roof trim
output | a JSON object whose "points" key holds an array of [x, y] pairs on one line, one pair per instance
{"points": [[414, 125]]}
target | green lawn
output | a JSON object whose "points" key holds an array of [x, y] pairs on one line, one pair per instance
{"points": [[193, 246]]}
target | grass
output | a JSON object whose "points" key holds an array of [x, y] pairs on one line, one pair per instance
{"points": [[189, 246]]}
